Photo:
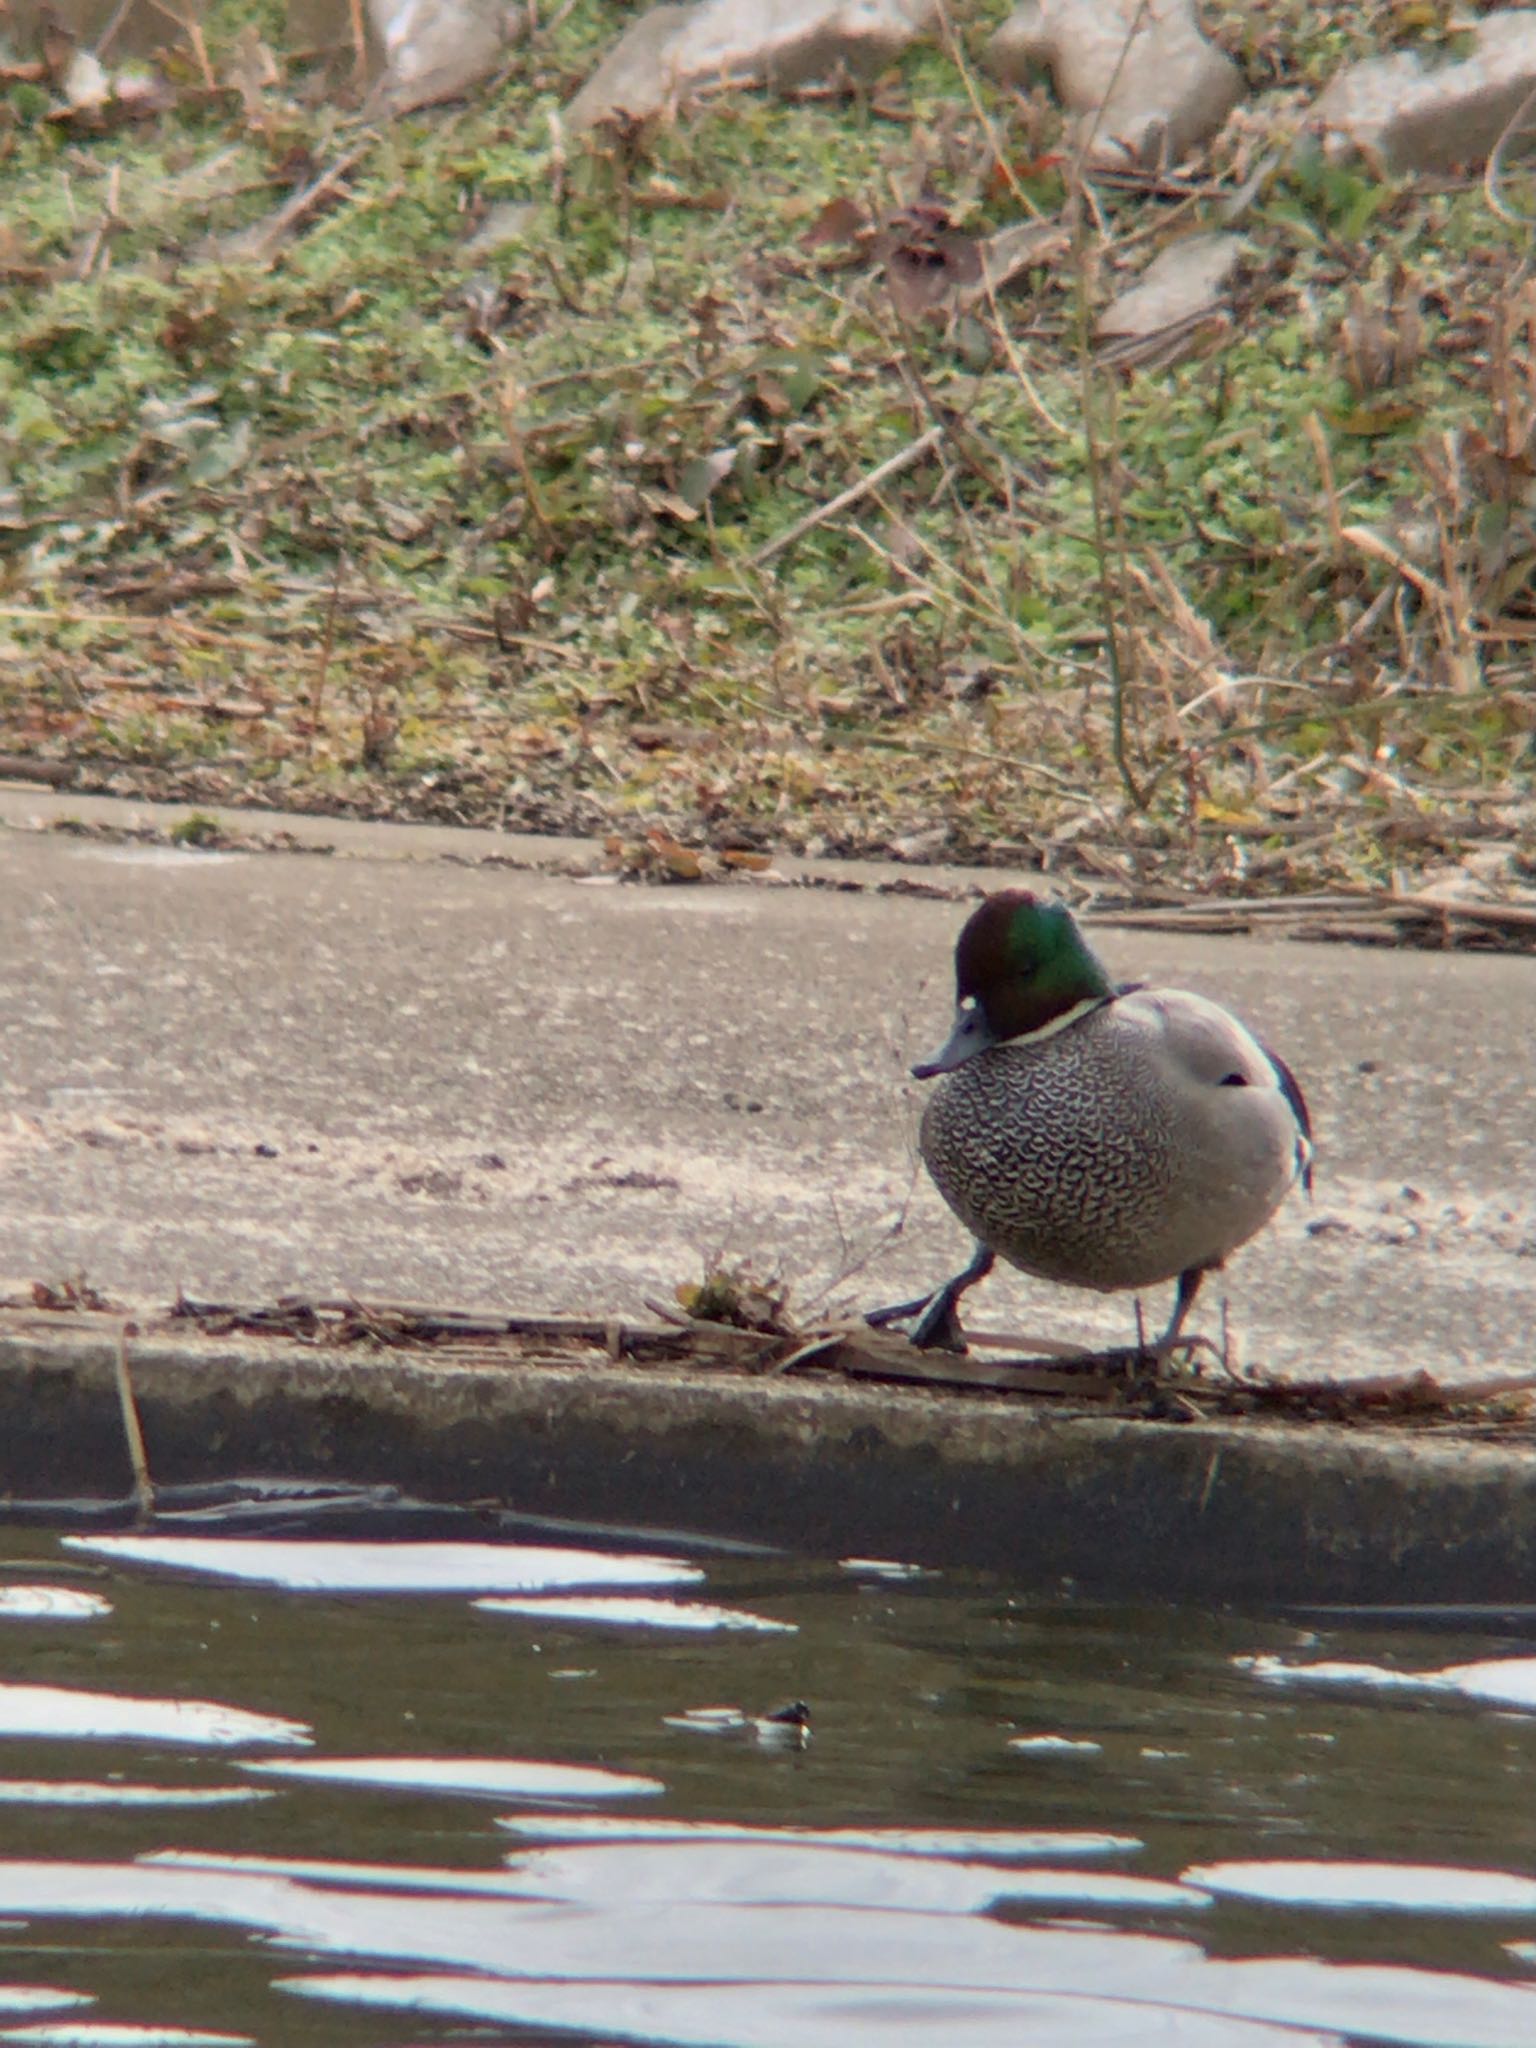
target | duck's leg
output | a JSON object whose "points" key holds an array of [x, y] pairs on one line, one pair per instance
{"points": [[938, 1325], [1183, 1302]]}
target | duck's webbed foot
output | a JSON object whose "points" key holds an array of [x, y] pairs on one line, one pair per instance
{"points": [[938, 1318]]}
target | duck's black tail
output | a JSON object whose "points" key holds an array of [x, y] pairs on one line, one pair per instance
{"points": [[1290, 1088]]}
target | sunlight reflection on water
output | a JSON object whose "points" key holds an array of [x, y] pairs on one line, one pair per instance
{"points": [[1291, 1841]]}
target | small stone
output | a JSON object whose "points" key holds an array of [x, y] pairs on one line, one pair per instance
{"points": [[435, 1181], [85, 83]]}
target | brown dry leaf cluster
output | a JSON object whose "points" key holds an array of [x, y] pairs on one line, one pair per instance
{"points": [[659, 857]]}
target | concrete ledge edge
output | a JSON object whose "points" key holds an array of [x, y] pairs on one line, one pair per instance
{"points": [[1256, 1512]]}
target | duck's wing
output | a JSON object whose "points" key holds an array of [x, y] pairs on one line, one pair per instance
{"points": [[1206, 1040], [1290, 1088], [1206, 1036]]}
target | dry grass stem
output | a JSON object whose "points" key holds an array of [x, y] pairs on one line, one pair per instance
{"points": [[133, 1432], [893, 465]]}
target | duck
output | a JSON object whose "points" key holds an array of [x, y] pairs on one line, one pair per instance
{"points": [[1099, 1135]]}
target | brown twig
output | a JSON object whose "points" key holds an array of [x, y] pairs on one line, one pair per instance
{"points": [[110, 219], [259, 242], [507, 396], [892, 466], [327, 642], [143, 1486], [22, 768], [108, 35], [195, 43], [1135, 1380], [1383, 905], [359, 43]]}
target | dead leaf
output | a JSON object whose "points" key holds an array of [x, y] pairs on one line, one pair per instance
{"points": [[670, 502], [840, 220], [928, 263], [1368, 420], [678, 860], [1497, 470], [651, 739], [1382, 340], [380, 730], [661, 192], [771, 395], [732, 1295], [58, 46], [16, 263], [1004, 178], [535, 743], [1007, 255]]}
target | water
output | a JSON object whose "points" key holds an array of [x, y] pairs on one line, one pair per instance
{"points": [[267, 1778]]}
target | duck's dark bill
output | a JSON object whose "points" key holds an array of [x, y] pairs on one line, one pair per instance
{"points": [[971, 1035]]}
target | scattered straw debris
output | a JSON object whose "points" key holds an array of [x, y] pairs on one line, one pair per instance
{"points": [[1194, 1385]]}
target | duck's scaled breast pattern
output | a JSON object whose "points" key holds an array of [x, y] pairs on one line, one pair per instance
{"points": [[1142, 1140]]}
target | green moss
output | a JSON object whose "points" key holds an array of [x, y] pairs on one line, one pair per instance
{"points": [[451, 527], [198, 829]]}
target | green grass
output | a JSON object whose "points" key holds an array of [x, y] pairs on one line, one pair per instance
{"points": [[382, 520]]}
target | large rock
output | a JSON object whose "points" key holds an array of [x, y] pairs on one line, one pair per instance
{"points": [[1404, 115], [671, 51], [436, 49], [1137, 75]]}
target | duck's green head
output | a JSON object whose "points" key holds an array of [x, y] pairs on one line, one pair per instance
{"points": [[1022, 969]]}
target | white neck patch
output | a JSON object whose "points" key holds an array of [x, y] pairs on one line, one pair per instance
{"points": [[1061, 1023]]}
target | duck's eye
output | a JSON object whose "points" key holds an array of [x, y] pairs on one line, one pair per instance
{"points": [[1234, 1081]]}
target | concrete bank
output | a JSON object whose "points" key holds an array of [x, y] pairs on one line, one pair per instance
{"points": [[1244, 1512], [396, 1074]]}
